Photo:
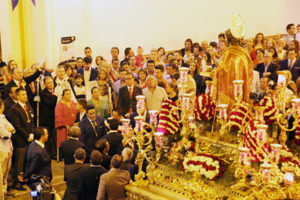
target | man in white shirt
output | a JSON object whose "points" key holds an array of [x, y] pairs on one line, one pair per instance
{"points": [[290, 36], [88, 73], [154, 94]]}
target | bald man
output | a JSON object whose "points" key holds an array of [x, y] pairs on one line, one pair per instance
{"points": [[68, 147]]}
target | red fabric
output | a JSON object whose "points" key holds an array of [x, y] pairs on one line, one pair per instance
{"points": [[64, 116]]}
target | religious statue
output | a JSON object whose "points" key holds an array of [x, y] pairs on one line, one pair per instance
{"points": [[235, 64]]}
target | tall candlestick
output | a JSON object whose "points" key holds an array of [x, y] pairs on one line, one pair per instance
{"points": [[125, 126], [261, 133], [140, 104], [222, 111], [238, 90], [139, 123], [153, 117]]}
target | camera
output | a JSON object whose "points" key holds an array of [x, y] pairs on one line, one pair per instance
{"points": [[41, 188]]}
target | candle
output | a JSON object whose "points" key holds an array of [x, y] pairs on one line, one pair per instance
{"points": [[209, 88], [288, 178], [158, 139], [244, 156], [261, 133], [238, 90], [275, 152], [186, 101], [223, 111], [140, 104], [183, 74], [139, 123], [125, 126], [281, 81], [266, 171], [296, 106], [153, 117]]}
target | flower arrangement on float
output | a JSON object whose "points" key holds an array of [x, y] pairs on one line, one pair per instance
{"points": [[207, 165]]}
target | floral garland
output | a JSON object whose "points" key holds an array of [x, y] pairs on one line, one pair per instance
{"points": [[269, 109], [239, 115], [208, 165], [204, 107], [168, 118], [251, 142]]}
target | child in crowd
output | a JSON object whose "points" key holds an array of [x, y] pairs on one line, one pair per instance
{"points": [[79, 88], [140, 59], [105, 102]]}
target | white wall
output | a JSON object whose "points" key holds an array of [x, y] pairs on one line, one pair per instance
{"points": [[102, 24]]}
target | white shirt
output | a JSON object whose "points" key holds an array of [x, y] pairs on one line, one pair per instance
{"points": [[86, 75], [39, 143], [155, 99], [255, 82], [61, 86], [5, 145]]}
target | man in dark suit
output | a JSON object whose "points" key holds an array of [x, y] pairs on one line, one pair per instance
{"points": [[10, 100], [72, 174], [20, 81], [90, 177], [128, 52], [20, 116], [88, 73], [68, 147], [46, 116], [114, 138], [102, 146], [92, 128], [267, 68], [38, 160], [127, 95], [292, 64]]}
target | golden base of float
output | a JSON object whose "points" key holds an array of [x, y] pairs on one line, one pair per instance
{"points": [[166, 181]]}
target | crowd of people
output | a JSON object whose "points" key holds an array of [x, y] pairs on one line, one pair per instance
{"points": [[74, 113]]}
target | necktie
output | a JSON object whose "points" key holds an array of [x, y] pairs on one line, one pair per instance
{"points": [[26, 112], [290, 65], [32, 87], [20, 84], [130, 92], [94, 127], [52, 92], [26, 109]]}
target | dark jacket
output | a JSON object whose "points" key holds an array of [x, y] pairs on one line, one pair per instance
{"points": [[271, 68], [89, 136], [28, 80], [23, 125], [38, 161], [71, 176], [47, 108], [67, 149], [93, 75], [89, 182], [8, 104], [295, 70], [115, 142], [200, 83], [124, 102]]}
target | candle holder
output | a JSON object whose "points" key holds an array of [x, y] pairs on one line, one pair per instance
{"points": [[261, 136], [238, 90], [244, 156], [275, 152], [139, 123], [125, 126], [265, 172], [153, 117], [296, 106], [186, 98], [183, 74], [281, 81], [140, 104], [222, 112]]}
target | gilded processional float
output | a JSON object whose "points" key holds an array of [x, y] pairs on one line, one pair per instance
{"points": [[221, 144]]}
